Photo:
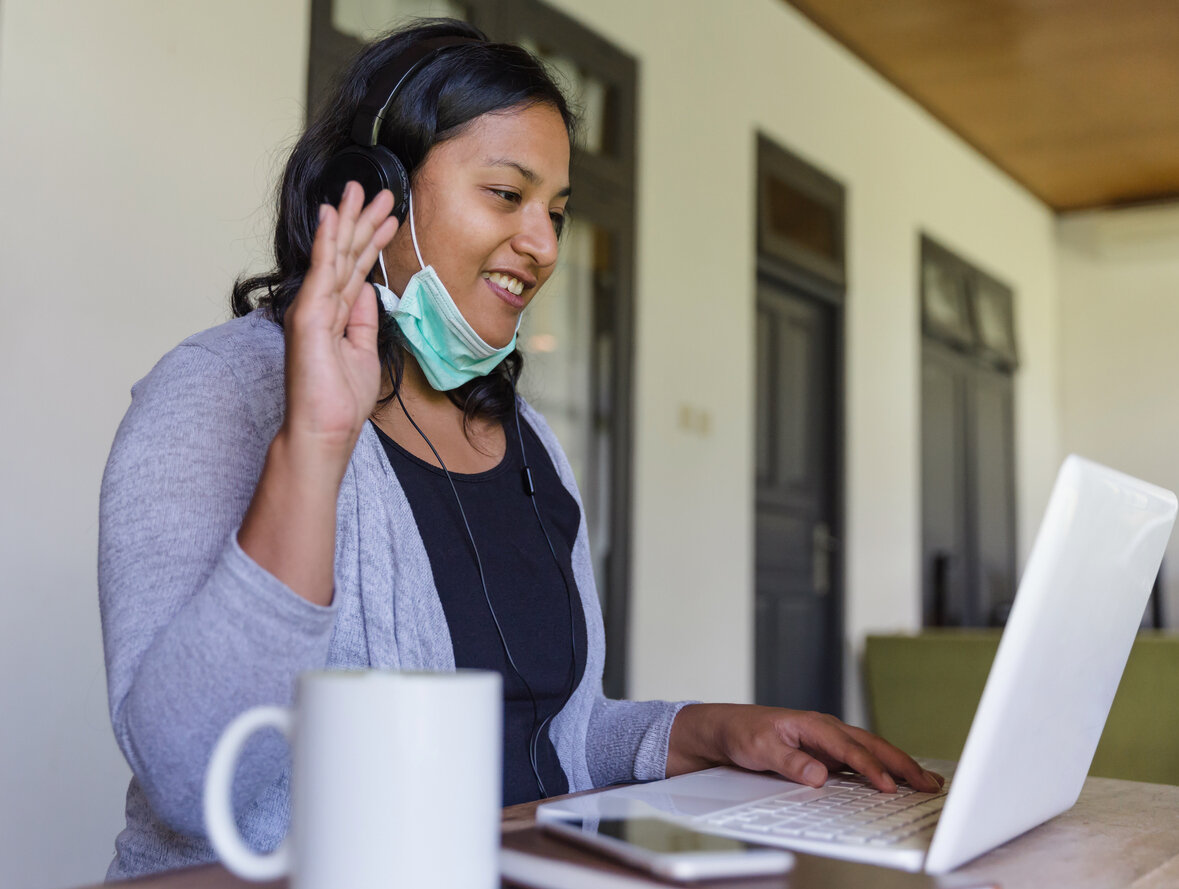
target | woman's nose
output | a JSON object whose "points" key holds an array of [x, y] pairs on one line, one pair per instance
{"points": [[537, 237]]}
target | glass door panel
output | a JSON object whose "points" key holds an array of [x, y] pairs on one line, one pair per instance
{"points": [[568, 349]]}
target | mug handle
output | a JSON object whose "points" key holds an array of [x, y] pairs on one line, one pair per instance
{"points": [[219, 821]]}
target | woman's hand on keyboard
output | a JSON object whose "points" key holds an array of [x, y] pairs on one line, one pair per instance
{"points": [[798, 744]]}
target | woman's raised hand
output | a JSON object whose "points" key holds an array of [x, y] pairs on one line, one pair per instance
{"points": [[797, 744], [333, 378], [333, 372]]}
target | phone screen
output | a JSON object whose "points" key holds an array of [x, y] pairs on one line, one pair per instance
{"points": [[661, 837]]}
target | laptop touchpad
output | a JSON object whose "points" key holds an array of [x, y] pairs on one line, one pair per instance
{"points": [[701, 792]]}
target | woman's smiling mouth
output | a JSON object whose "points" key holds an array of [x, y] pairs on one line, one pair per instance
{"points": [[506, 288]]}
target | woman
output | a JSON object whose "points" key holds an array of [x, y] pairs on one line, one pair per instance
{"points": [[334, 479]]}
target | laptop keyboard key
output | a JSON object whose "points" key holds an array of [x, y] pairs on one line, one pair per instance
{"points": [[844, 811]]}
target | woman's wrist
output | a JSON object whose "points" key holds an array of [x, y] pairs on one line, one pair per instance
{"points": [[315, 459], [318, 455], [697, 739], [290, 526]]}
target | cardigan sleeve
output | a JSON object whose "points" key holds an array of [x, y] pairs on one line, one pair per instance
{"points": [[628, 740], [194, 631]]}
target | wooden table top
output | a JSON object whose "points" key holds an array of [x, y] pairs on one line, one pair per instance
{"points": [[1119, 834]]}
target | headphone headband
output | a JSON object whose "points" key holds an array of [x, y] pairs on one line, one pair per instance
{"points": [[387, 82], [366, 161]]}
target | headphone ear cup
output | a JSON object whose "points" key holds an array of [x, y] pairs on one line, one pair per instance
{"points": [[374, 168]]}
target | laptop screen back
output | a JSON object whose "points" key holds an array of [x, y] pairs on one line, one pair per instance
{"points": [[1062, 654]]}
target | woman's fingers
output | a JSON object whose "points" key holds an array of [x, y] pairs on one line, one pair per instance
{"points": [[347, 243], [357, 285], [800, 745], [363, 324], [376, 242], [898, 763], [360, 223], [332, 367], [873, 757], [322, 273], [799, 766], [370, 233], [351, 204], [372, 219], [830, 737]]}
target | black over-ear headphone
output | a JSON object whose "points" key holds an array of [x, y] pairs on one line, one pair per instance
{"points": [[373, 165]]}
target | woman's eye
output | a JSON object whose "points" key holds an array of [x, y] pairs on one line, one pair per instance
{"points": [[558, 222], [506, 195]]}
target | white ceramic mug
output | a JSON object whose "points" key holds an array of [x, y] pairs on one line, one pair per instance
{"points": [[396, 781]]}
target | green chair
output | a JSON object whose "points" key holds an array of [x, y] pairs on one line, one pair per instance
{"points": [[923, 690]]}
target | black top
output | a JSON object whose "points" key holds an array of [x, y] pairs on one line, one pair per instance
{"points": [[524, 584]]}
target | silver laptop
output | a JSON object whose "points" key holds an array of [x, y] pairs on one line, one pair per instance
{"points": [[1034, 734]]}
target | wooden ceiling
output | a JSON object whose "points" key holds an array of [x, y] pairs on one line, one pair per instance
{"points": [[1078, 100]]}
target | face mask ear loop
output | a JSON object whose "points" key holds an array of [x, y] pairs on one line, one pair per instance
{"points": [[381, 263], [413, 233]]}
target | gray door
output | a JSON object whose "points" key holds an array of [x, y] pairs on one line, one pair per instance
{"points": [[967, 490], [945, 516], [799, 634]]}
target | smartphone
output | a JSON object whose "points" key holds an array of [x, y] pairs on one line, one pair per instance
{"points": [[671, 850]]}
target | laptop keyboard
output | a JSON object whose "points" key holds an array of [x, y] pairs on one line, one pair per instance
{"points": [[846, 810]]}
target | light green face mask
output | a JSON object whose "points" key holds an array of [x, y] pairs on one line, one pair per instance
{"points": [[446, 347]]}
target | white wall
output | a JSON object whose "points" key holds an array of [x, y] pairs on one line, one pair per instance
{"points": [[137, 145], [1119, 317], [137, 142], [709, 79]]}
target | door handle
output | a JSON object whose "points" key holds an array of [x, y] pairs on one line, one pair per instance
{"points": [[823, 544], [941, 588]]}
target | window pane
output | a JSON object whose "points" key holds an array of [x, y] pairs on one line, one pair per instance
{"points": [[567, 377], [767, 419], [589, 96], [366, 19], [944, 302], [798, 218], [993, 309]]}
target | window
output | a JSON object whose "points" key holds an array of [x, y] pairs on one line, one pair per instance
{"points": [[965, 308], [800, 218]]}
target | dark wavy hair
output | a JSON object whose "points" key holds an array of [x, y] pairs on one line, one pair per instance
{"points": [[437, 103]]}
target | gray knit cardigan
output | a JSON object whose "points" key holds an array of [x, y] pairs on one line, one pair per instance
{"points": [[195, 632]]}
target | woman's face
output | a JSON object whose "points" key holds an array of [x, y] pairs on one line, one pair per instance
{"points": [[487, 206]]}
